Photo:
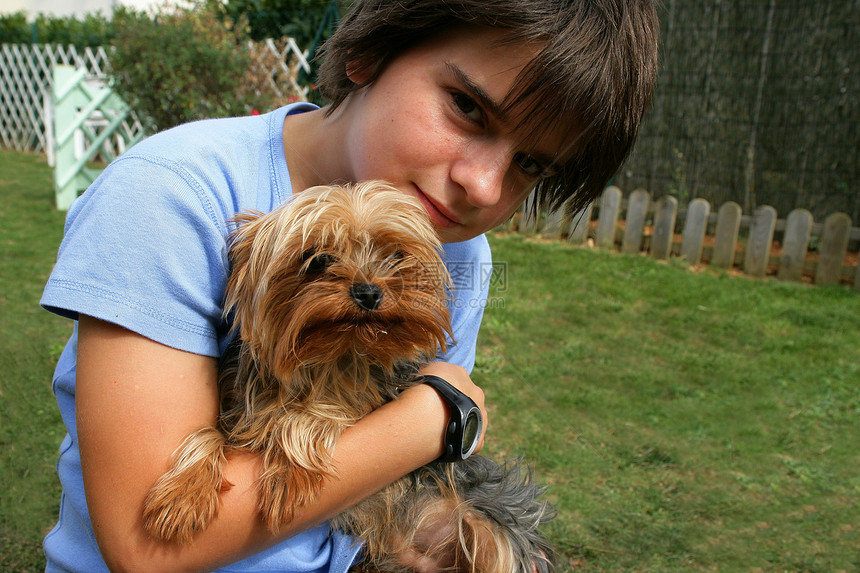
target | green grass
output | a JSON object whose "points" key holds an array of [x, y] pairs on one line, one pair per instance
{"points": [[682, 421], [30, 342]]}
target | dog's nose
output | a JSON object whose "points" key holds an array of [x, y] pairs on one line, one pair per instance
{"points": [[367, 296]]}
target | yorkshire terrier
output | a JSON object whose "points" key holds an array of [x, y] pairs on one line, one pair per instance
{"points": [[337, 297]]}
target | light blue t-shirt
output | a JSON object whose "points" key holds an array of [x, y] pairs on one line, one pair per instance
{"points": [[144, 247]]}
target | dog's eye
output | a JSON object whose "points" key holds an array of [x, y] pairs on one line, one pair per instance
{"points": [[393, 260], [316, 263]]}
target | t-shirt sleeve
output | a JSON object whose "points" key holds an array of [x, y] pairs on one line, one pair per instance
{"points": [[144, 247], [471, 266]]}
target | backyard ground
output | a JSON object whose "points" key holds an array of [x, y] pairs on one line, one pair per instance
{"points": [[681, 421]]}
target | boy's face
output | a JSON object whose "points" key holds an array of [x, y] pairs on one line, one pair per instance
{"points": [[432, 124]]}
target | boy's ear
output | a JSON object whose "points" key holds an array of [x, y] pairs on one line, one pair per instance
{"points": [[358, 72]]}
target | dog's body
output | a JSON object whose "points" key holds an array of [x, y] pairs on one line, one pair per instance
{"points": [[338, 296]]}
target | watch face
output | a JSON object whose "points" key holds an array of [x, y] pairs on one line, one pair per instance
{"points": [[470, 432]]}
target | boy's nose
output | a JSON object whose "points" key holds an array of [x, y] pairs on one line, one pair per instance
{"points": [[481, 172]]}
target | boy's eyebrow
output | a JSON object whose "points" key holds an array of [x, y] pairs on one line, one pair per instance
{"points": [[477, 92], [491, 106]]}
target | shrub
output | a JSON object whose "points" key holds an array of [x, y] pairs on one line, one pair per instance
{"points": [[14, 28], [93, 29], [182, 65]]}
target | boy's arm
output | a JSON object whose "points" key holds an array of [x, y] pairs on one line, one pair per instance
{"points": [[137, 400]]}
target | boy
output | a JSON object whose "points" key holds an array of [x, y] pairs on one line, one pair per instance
{"points": [[465, 105]]}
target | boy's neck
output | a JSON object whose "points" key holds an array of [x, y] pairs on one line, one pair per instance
{"points": [[312, 148]]}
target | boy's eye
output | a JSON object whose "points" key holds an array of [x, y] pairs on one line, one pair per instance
{"points": [[468, 107], [530, 166]]}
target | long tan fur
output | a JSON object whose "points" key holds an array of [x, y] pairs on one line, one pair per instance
{"points": [[312, 361], [337, 297]]}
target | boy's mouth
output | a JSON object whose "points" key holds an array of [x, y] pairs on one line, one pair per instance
{"points": [[440, 216]]}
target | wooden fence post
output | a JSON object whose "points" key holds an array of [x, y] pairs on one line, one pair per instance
{"points": [[759, 241], [75, 102], [530, 219], [695, 228], [726, 235], [68, 178], [552, 227], [579, 225], [836, 233], [798, 229], [857, 278], [610, 205], [664, 227], [634, 228], [834, 244]]}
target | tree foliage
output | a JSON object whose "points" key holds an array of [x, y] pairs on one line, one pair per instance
{"points": [[299, 19]]}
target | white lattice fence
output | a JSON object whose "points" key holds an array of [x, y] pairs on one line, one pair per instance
{"points": [[281, 61], [25, 82]]}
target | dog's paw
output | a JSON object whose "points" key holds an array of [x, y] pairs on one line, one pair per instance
{"points": [[284, 492], [186, 499], [177, 517]]}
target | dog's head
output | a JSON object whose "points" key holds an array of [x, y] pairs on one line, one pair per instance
{"points": [[473, 515], [339, 272]]}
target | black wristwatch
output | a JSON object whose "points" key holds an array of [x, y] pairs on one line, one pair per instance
{"points": [[464, 428]]}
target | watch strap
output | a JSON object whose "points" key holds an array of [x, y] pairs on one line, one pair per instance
{"points": [[464, 423]]}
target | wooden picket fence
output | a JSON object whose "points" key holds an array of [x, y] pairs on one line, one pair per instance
{"points": [[759, 244]]}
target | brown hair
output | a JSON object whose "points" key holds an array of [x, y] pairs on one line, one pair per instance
{"points": [[593, 76]]}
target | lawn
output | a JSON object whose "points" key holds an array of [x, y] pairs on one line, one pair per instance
{"points": [[682, 421], [30, 343]]}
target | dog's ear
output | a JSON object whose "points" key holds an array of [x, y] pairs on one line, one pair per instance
{"points": [[240, 246], [483, 548]]}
